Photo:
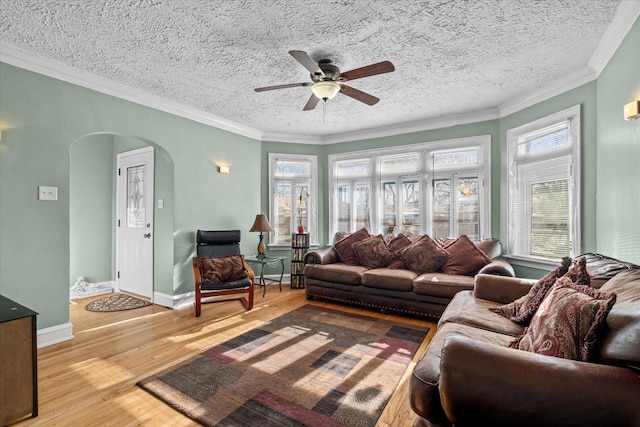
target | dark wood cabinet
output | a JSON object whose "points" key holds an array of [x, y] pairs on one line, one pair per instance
{"points": [[299, 247], [18, 362]]}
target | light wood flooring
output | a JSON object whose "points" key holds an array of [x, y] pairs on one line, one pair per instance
{"points": [[90, 380]]}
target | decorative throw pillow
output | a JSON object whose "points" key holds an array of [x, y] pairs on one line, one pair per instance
{"points": [[222, 269], [423, 256], [522, 309], [344, 249], [394, 245], [372, 252], [466, 259], [568, 322]]}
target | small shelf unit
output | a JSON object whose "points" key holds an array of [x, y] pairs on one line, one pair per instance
{"points": [[299, 247]]}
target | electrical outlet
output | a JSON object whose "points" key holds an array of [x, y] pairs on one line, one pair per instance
{"points": [[47, 193]]}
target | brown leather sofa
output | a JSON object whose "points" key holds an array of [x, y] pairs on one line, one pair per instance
{"points": [[399, 290], [468, 375]]}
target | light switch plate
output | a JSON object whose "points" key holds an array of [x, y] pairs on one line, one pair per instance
{"points": [[47, 193]]}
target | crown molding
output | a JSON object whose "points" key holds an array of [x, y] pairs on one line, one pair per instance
{"points": [[29, 61], [623, 20], [556, 87]]}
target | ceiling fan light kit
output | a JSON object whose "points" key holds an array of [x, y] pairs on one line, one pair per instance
{"points": [[328, 80], [325, 90]]}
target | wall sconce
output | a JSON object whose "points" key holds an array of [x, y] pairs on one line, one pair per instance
{"points": [[223, 170], [632, 110]]}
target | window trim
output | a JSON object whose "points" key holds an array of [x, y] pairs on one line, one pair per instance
{"points": [[424, 174], [573, 116], [312, 203]]}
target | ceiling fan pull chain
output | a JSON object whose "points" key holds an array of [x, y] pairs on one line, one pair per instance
{"points": [[324, 112]]}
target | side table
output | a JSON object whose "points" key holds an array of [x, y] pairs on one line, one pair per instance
{"points": [[271, 262]]}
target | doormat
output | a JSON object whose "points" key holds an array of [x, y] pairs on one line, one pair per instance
{"points": [[314, 366], [117, 302]]}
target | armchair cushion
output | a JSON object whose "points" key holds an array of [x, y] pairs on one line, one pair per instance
{"points": [[223, 269], [568, 323]]}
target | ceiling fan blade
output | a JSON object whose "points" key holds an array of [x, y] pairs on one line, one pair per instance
{"points": [[311, 103], [306, 61], [262, 89], [369, 70], [359, 95]]}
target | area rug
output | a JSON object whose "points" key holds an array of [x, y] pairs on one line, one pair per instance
{"points": [[312, 367], [117, 302]]}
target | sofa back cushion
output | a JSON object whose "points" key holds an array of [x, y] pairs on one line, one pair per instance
{"points": [[492, 248], [424, 255], [621, 341], [372, 252], [466, 259], [344, 249]]}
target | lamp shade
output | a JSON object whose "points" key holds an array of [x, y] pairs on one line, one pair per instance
{"points": [[325, 89], [261, 224]]}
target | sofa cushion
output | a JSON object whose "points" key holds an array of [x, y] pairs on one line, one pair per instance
{"points": [[338, 272], [386, 278], [621, 341], [395, 244], [372, 252], [222, 269], [568, 323], [344, 246], [466, 259], [466, 309], [442, 285], [492, 248], [602, 268], [522, 309], [424, 255]]}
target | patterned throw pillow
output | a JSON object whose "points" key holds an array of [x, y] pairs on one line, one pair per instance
{"points": [[466, 259], [222, 269], [372, 252], [344, 249], [522, 309], [568, 322], [399, 242], [423, 256]]}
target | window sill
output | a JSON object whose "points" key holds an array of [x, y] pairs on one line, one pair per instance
{"points": [[540, 264]]}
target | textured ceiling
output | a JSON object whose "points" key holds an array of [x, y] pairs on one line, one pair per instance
{"points": [[451, 56]]}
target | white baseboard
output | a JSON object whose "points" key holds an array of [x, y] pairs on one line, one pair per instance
{"points": [[54, 334], [177, 302]]}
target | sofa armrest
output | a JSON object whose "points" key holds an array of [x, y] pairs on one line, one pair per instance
{"points": [[498, 267], [485, 384], [321, 256], [499, 288]]}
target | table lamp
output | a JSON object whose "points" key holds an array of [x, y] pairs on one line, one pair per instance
{"points": [[261, 224]]}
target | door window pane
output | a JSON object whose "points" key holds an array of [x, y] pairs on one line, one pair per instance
{"points": [[389, 215], [410, 208], [135, 197], [363, 207], [283, 208]]}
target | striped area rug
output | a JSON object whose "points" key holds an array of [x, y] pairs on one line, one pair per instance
{"points": [[311, 367]]}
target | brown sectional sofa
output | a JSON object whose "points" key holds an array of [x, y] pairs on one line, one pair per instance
{"points": [[400, 290], [469, 376]]}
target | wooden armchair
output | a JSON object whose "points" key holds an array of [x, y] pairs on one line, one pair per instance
{"points": [[220, 269]]}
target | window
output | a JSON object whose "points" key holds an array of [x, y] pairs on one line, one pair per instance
{"points": [[293, 197], [544, 188], [440, 188]]}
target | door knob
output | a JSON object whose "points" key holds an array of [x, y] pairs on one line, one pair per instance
{"points": [[147, 235]]}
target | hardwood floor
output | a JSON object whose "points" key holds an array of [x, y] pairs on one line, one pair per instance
{"points": [[90, 380]]}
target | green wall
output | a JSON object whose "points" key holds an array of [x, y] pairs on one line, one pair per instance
{"points": [[618, 154], [41, 118]]}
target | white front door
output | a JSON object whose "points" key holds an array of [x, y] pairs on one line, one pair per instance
{"points": [[134, 236]]}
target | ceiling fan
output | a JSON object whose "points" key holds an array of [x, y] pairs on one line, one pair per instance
{"points": [[327, 80]]}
